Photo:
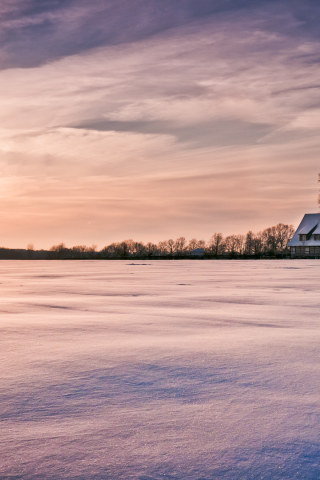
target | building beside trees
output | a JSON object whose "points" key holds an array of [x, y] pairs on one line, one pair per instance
{"points": [[306, 240]]}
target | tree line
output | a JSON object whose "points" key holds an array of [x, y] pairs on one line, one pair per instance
{"points": [[272, 241]]}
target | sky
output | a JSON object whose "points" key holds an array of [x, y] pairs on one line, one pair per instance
{"points": [[154, 119]]}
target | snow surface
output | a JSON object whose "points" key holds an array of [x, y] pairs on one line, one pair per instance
{"points": [[160, 370]]}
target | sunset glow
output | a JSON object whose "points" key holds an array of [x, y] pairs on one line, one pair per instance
{"points": [[135, 120]]}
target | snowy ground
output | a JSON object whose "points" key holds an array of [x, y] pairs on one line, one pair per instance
{"points": [[160, 370]]}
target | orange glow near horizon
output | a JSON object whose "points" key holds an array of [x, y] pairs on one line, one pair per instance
{"points": [[189, 132]]}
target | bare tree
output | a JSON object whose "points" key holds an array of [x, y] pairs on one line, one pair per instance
{"points": [[109, 251], [139, 249], [240, 241], [216, 244], [81, 251], [58, 251], [249, 245], [270, 235], [275, 239], [58, 248], [231, 244], [151, 249], [201, 244], [193, 244], [126, 248], [120, 248], [284, 235], [170, 244], [163, 248], [258, 243], [179, 245]]}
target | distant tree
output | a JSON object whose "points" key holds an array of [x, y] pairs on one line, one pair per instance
{"points": [[30, 247], [284, 235], [249, 243], [140, 249], [79, 249], [240, 242], [270, 240], [124, 248], [163, 248], [231, 244], [82, 251], [275, 239], [58, 248], [216, 244], [170, 244], [258, 244], [109, 251], [193, 244], [179, 245], [151, 249], [59, 251]]}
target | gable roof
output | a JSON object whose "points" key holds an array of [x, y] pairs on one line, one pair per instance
{"points": [[317, 230], [308, 227], [309, 223]]}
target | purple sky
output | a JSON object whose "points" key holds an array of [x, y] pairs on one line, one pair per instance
{"points": [[151, 119]]}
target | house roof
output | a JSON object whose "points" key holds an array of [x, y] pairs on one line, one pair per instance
{"points": [[309, 222], [197, 251], [308, 227]]}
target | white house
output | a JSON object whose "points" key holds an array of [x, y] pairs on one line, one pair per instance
{"points": [[306, 240]]}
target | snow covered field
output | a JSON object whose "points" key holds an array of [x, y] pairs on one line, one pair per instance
{"points": [[160, 370]]}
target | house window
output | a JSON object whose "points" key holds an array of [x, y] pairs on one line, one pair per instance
{"points": [[317, 237], [293, 250], [303, 238], [306, 250]]}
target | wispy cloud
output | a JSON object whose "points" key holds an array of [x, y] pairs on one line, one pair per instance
{"points": [[184, 124], [35, 32]]}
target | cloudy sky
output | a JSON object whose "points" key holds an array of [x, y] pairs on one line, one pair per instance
{"points": [[150, 119]]}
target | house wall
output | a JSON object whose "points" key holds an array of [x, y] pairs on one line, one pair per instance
{"points": [[305, 251]]}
